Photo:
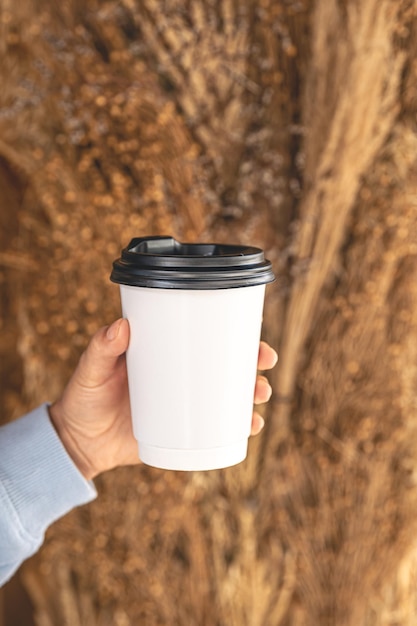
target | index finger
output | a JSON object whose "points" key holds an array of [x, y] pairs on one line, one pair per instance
{"points": [[267, 357]]}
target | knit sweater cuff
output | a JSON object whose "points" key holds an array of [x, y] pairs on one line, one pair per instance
{"points": [[41, 480]]}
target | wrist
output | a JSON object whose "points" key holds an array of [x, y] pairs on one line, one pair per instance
{"points": [[70, 441]]}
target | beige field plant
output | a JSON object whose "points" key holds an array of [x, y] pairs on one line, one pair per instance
{"points": [[287, 124]]}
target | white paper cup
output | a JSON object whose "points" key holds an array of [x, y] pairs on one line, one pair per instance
{"points": [[195, 315]]}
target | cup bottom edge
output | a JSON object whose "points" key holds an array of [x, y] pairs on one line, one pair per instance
{"points": [[190, 460]]}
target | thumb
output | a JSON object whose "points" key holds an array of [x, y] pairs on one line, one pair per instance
{"points": [[99, 360]]}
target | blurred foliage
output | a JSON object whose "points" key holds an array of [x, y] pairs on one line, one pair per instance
{"points": [[287, 124]]}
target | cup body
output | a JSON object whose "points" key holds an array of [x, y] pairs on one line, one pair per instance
{"points": [[195, 315], [192, 362]]}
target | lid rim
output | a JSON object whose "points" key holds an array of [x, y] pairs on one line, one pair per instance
{"points": [[194, 285]]}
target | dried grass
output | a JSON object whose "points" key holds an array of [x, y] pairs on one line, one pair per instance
{"points": [[282, 124]]}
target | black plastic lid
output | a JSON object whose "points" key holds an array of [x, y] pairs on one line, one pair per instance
{"points": [[165, 263]]}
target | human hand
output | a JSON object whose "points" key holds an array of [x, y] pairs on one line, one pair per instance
{"points": [[267, 359], [92, 417]]}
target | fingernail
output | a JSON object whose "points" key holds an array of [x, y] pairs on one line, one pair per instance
{"points": [[113, 330]]}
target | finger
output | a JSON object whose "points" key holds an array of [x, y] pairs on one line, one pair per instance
{"points": [[263, 390], [258, 423], [99, 360], [267, 357]]}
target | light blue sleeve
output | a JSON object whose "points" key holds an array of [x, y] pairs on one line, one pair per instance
{"points": [[38, 484]]}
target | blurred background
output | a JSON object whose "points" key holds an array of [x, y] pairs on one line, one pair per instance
{"points": [[286, 124]]}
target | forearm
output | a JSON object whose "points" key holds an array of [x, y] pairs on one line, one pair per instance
{"points": [[39, 483]]}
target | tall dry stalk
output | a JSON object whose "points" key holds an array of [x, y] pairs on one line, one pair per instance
{"points": [[351, 101], [341, 407]]}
